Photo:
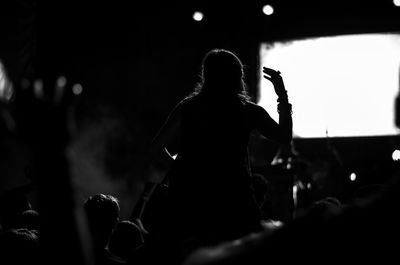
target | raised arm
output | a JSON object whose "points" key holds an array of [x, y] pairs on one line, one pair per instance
{"points": [[281, 132], [166, 143]]}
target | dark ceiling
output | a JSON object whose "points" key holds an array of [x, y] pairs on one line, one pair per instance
{"points": [[143, 56]]}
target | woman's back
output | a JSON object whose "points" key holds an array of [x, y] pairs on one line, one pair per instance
{"points": [[209, 182], [211, 172], [215, 134]]}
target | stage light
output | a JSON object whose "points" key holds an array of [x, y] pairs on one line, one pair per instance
{"points": [[268, 10], [6, 87], [38, 88], [353, 176], [295, 190], [396, 2], [77, 89], [276, 223], [61, 81], [339, 66], [2, 84], [2, 80], [396, 155], [198, 16]]}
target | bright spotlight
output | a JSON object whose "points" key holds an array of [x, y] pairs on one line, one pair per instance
{"points": [[2, 80], [61, 81], [268, 10], [198, 16], [38, 88], [396, 155], [6, 87], [77, 89], [396, 2], [353, 176]]}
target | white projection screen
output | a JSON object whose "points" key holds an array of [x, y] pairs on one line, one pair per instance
{"points": [[340, 86]]}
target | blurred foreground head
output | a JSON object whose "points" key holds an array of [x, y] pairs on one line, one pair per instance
{"points": [[102, 214], [19, 246]]}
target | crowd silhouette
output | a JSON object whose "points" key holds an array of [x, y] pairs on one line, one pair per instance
{"points": [[208, 208]]}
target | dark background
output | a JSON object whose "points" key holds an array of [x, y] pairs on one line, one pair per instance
{"points": [[137, 59]]}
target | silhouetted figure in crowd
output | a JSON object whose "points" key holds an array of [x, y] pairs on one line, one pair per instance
{"points": [[364, 230], [12, 204], [260, 187], [209, 182], [326, 233], [323, 209], [19, 246], [30, 219], [150, 210], [125, 240], [102, 214]]}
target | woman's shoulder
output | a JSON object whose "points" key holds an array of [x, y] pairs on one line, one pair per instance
{"points": [[189, 98], [253, 107], [256, 112]]}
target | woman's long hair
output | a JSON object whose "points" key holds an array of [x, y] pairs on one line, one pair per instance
{"points": [[222, 76]]}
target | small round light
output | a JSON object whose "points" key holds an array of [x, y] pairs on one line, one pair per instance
{"points": [[268, 10], [198, 16], [61, 81], [353, 176], [396, 155], [8, 92], [2, 81], [396, 2], [38, 88], [6, 87], [77, 89]]}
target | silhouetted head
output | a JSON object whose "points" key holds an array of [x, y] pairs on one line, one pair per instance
{"points": [[325, 208], [125, 239], [222, 74], [11, 207], [19, 246], [30, 219], [103, 214]]}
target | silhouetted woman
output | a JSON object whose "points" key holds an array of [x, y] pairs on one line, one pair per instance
{"points": [[209, 181]]}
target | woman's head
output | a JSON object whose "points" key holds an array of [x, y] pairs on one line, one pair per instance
{"points": [[222, 65], [222, 74]]}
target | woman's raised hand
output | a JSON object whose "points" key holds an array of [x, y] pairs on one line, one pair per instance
{"points": [[276, 79]]}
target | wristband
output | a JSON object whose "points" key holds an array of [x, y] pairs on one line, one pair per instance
{"points": [[283, 97], [285, 106]]}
